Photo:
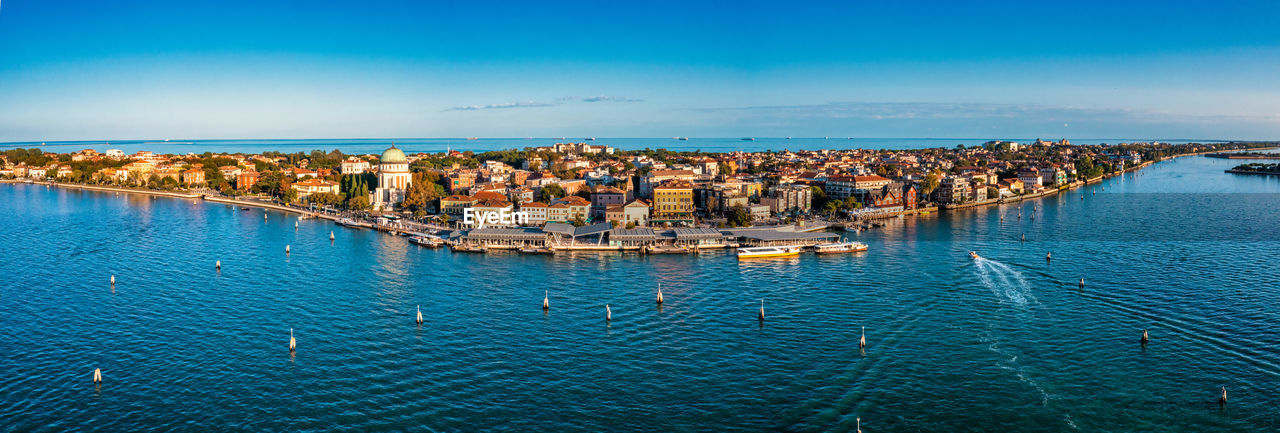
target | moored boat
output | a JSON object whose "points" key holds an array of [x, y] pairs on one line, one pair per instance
{"points": [[840, 247], [665, 250], [467, 248], [536, 250], [426, 241], [764, 252]]}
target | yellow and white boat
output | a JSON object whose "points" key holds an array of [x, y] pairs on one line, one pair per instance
{"points": [[764, 252]]}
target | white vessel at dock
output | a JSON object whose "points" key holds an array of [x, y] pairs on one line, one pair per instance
{"points": [[840, 247], [763, 252], [427, 241]]}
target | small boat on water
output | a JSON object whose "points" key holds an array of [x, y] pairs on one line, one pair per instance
{"points": [[665, 250], [426, 241], [348, 222], [853, 229], [749, 139], [973, 255], [840, 247], [467, 248], [765, 252], [590, 139], [536, 250]]}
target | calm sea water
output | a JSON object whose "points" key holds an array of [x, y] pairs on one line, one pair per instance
{"points": [[1005, 343], [414, 145]]}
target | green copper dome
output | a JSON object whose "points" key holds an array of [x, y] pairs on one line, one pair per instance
{"points": [[393, 156]]}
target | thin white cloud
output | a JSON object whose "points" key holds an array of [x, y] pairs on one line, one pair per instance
{"points": [[533, 104], [949, 110], [526, 104], [603, 98]]}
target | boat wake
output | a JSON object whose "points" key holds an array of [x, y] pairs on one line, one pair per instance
{"points": [[1008, 360], [1005, 282]]}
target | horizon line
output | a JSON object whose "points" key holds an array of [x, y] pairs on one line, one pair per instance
{"points": [[179, 141]]}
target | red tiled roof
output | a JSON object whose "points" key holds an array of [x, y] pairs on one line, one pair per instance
{"points": [[675, 184], [494, 203], [871, 178], [489, 195]]}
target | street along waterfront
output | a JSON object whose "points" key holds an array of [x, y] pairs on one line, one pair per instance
{"points": [[1005, 342]]}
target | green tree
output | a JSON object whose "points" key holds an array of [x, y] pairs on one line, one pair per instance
{"points": [[325, 199], [833, 205], [930, 183], [416, 198], [739, 216], [213, 177], [360, 202], [820, 198], [725, 169], [550, 192]]}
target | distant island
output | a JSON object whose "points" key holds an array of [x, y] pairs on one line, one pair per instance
{"points": [[1257, 168], [1245, 155]]}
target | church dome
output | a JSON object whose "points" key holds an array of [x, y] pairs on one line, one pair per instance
{"points": [[393, 156]]}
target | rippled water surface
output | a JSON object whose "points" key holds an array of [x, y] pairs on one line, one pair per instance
{"points": [[1008, 342]]}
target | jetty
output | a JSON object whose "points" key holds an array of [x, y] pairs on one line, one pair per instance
{"points": [[556, 237]]}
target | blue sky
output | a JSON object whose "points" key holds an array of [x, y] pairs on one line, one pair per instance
{"points": [[83, 70]]}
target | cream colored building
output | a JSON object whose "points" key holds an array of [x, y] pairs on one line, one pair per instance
{"points": [[393, 179]]}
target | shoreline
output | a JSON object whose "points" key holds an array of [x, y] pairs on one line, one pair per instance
{"points": [[396, 231], [1080, 183], [1255, 173], [1048, 192], [172, 194]]}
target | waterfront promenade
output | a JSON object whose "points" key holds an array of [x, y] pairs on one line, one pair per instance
{"points": [[177, 335], [549, 241]]}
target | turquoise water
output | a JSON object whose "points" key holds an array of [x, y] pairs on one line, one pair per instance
{"points": [[1008, 342], [414, 145]]}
